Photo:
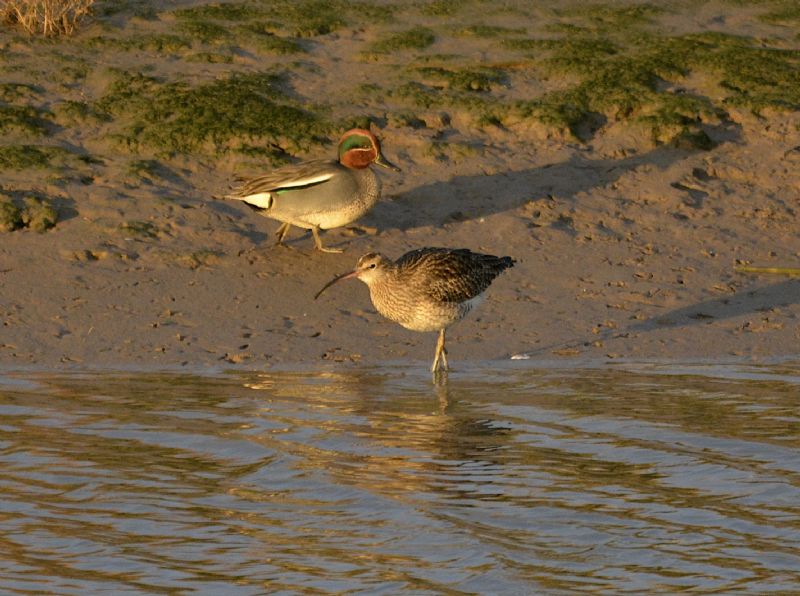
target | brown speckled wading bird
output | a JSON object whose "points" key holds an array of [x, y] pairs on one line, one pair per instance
{"points": [[320, 194], [427, 289]]}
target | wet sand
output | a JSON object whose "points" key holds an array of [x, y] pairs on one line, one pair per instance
{"points": [[624, 248]]}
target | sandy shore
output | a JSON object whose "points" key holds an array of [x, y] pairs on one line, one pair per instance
{"points": [[625, 247]]}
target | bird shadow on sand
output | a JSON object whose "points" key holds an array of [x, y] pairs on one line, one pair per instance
{"points": [[471, 197], [746, 302], [707, 312]]}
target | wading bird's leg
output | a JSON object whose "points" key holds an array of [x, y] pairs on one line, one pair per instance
{"points": [[441, 354]]}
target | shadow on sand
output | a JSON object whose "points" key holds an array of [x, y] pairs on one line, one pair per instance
{"points": [[471, 197], [746, 302], [462, 198], [707, 312]]}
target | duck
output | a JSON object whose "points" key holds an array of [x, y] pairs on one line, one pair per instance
{"points": [[319, 194]]}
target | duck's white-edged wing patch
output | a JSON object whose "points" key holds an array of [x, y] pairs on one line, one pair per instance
{"points": [[262, 200], [309, 180]]}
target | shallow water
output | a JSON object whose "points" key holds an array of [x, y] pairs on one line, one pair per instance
{"points": [[615, 480]]}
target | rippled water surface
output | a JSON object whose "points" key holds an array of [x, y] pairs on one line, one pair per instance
{"points": [[635, 480]]}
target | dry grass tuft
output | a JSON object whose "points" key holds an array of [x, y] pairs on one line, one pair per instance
{"points": [[45, 17]]}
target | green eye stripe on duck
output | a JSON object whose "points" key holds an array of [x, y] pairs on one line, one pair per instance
{"points": [[355, 142]]}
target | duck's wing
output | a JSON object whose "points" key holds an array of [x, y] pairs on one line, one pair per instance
{"points": [[259, 191]]}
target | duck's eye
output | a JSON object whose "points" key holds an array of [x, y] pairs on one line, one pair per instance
{"points": [[372, 265]]}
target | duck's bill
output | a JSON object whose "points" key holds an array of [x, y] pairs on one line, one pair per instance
{"points": [[382, 161], [341, 277]]}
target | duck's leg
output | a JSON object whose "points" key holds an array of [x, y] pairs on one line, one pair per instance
{"points": [[441, 354], [318, 242], [281, 233]]}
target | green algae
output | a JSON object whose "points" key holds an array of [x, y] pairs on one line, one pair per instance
{"points": [[210, 58], [442, 8], [204, 31], [783, 12], [417, 38], [402, 119], [216, 116], [70, 113], [24, 119], [248, 25], [34, 213], [228, 11], [11, 92], [21, 157], [612, 16], [574, 54], [625, 70], [624, 77], [166, 43], [295, 18], [38, 214], [600, 63], [755, 77], [261, 37], [142, 9], [465, 79], [419, 95], [10, 216], [488, 31], [483, 107]]}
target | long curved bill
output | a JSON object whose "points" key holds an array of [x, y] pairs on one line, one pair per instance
{"points": [[382, 161], [347, 275]]}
